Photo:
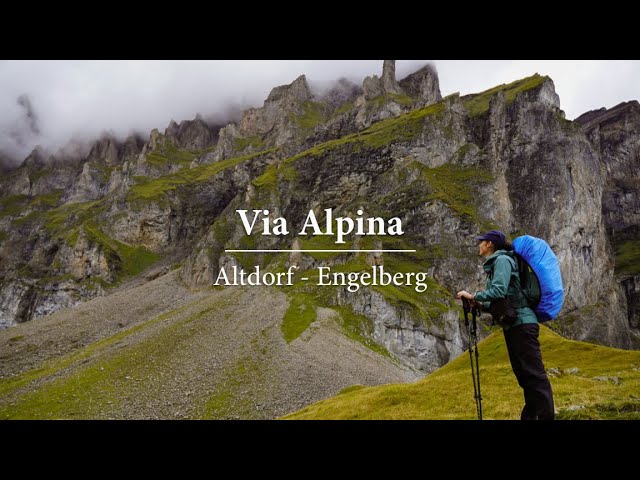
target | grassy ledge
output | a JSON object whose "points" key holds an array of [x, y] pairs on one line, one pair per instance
{"points": [[311, 116], [628, 257], [131, 260], [300, 314], [605, 385], [479, 103], [401, 128], [153, 189]]}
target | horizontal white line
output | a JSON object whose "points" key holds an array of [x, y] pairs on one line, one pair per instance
{"points": [[319, 251]]}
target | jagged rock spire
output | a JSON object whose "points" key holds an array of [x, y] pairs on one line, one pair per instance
{"points": [[298, 90], [374, 86], [389, 83]]}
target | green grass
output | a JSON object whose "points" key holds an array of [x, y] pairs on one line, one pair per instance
{"points": [[3, 235], [154, 189], [66, 222], [222, 229], [425, 308], [300, 314], [274, 174], [130, 260], [397, 129], [400, 98], [451, 184], [463, 150], [63, 222], [456, 186], [228, 399], [169, 154], [628, 257], [344, 108], [240, 385], [324, 242], [12, 205], [604, 411], [58, 220], [448, 392], [352, 388], [88, 391], [479, 103], [48, 200], [51, 367], [306, 296], [255, 142], [401, 128], [112, 375], [567, 125], [311, 116]]}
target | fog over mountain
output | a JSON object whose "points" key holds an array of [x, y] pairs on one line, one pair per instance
{"points": [[52, 103]]}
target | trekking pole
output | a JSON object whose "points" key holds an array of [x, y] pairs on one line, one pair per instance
{"points": [[474, 314], [473, 333]]}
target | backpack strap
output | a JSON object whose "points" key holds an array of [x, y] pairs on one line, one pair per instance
{"points": [[517, 299]]}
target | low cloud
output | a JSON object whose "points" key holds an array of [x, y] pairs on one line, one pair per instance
{"points": [[49, 103]]}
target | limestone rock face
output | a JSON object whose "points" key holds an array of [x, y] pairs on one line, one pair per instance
{"points": [[374, 86], [289, 114], [191, 134], [274, 114], [388, 80], [615, 135], [423, 85], [343, 92]]}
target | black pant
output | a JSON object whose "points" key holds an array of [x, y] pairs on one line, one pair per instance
{"points": [[526, 361]]}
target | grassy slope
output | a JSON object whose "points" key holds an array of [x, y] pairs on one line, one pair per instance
{"points": [[70, 390], [152, 189], [628, 257], [204, 358], [478, 104], [448, 392]]}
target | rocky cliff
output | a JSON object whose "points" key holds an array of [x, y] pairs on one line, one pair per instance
{"points": [[615, 135], [449, 168]]}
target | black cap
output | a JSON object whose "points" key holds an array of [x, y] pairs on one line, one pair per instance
{"points": [[496, 236]]}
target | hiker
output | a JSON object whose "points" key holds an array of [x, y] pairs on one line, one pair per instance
{"points": [[504, 298]]}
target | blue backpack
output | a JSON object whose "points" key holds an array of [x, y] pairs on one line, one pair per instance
{"points": [[540, 276]]}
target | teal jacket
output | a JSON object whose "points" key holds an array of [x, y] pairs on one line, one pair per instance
{"points": [[505, 282]]}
